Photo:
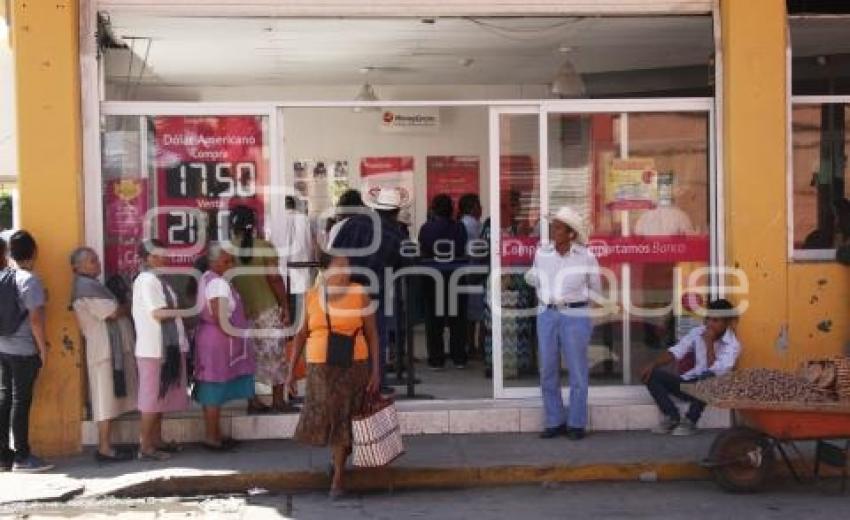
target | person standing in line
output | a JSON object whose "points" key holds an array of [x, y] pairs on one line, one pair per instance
{"points": [[357, 230], [565, 274], [293, 237], [224, 356], [469, 210], [442, 243], [388, 206], [23, 352], [109, 343], [340, 375], [264, 296], [161, 348]]}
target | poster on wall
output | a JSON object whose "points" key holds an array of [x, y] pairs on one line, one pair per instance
{"points": [[631, 184], [320, 182], [453, 175], [205, 166], [379, 173], [125, 205]]}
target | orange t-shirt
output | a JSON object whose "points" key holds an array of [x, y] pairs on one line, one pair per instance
{"points": [[347, 317]]}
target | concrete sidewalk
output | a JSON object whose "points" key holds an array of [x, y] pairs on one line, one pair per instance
{"points": [[430, 461]]}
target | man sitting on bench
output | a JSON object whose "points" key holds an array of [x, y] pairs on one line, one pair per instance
{"points": [[715, 348]]}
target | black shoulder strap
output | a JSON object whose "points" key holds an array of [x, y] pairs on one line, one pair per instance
{"points": [[327, 308]]}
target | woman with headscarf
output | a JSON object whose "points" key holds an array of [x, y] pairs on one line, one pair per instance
{"points": [[161, 347], [109, 341], [224, 357], [264, 294]]}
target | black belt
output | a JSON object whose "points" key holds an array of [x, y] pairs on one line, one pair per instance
{"points": [[570, 305]]}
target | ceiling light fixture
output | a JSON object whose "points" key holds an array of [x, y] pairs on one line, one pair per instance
{"points": [[568, 82], [366, 94]]}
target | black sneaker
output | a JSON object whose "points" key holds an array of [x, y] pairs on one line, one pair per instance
{"points": [[551, 433], [576, 434]]}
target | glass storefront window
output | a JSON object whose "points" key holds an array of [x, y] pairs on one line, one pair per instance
{"points": [[176, 178], [821, 145], [641, 181], [519, 233]]}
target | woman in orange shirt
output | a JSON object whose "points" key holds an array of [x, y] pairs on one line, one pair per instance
{"points": [[341, 340]]}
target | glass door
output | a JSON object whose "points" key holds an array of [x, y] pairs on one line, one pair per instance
{"points": [[641, 173], [515, 230]]}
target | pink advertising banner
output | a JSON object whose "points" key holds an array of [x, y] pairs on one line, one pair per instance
{"points": [[125, 208], [519, 251]]}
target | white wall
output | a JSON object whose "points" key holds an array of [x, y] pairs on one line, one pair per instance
{"points": [[340, 133]]}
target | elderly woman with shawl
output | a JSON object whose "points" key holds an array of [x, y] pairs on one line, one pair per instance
{"points": [[109, 340], [161, 347]]}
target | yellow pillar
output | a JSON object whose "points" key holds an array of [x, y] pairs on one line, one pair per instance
{"points": [[47, 79], [754, 143]]}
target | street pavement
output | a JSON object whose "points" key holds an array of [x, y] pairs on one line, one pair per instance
{"points": [[430, 461], [633, 500]]}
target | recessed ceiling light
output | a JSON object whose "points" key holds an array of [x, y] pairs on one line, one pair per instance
{"points": [[564, 48], [465, 62], [366, 70], [429, 21]]}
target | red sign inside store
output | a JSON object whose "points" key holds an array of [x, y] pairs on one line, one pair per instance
{"points": [[452, 175]]}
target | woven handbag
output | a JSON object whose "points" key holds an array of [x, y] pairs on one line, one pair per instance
{"points": [[376, 435]]}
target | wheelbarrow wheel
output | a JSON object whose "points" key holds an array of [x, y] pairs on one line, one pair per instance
{"points": [[741, 459]]}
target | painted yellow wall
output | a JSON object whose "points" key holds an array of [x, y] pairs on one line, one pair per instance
{"points": [[753, 41], [808, 300], [49, 152], [819, 307]]}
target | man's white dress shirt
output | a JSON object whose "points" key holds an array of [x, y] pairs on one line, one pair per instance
{"points": [[564, 279], [726, 351]]}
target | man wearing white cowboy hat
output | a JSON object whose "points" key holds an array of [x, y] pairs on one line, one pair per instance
{"points": [[388, 204], [565, 274]]}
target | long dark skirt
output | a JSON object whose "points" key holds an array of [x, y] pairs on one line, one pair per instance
{"points": [[333, 395]]}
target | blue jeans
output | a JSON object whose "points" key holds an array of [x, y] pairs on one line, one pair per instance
{"points": [[560, 336]]}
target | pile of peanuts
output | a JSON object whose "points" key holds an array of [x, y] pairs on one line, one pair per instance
{"points": [[762, 384]]}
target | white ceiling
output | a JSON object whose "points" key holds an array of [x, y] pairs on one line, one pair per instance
{"points": [[262, 51]]}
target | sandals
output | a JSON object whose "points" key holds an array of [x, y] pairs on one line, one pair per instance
{"points": [[169, 447], [154, 456], [118, 456], [254, 409], [227, 444]]}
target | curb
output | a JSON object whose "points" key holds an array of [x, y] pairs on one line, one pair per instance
{"points": [[390, 479]]}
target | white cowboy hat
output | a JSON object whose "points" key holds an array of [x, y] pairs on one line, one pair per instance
{"points": [[388, 198], [571, 218]]}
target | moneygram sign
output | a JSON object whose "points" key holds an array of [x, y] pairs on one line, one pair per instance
{"points": [[419, 119]]}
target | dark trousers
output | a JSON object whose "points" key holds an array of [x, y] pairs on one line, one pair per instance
{"points": [[435, 324], [382, 324], [17, 379], [662, 385]]}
